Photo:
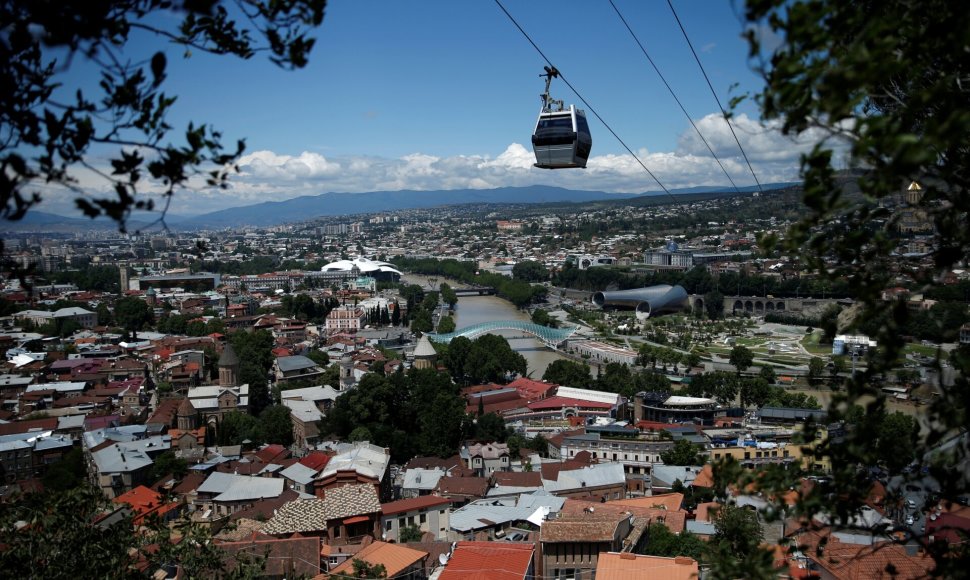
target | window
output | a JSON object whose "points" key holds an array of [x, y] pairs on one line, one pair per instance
{"points": [[423, 518], [388, 524], [400, 522]]}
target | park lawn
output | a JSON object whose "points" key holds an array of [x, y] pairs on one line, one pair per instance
{"points": [[916, 348], [810, 342]]}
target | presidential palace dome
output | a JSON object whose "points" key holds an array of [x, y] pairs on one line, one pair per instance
{"points": [[366, 267]]}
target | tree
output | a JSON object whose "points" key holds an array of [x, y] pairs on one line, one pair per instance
{"points": [[360, 434], [364, 569], [235, 427], [446, 324], [410, 533], [448, 295], [274, 426], [52, 122], [736, 544], [767, 373], [568, 373], [319, 357], [62, 530], [133, 314], [662, 542], [67, 537], [168, 464], [755, 391], [816, 366], [530, 271], [883, 87], [714, 304], [682, 453], [741, 358], [66, 473], [491, 427]]}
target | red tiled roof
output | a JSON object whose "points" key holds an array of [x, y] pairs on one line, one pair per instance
{"points": [[531, 389], [411, 504], [395, 559], [144, 501], [705, 477], [480, 560], [472, 486], [287, 557], [48, 424], [271, 452], [518, 478], [849, 561], [582, 527], [628, 566], [315, 460]]}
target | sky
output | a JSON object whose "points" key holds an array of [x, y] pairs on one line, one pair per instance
{"points": [[444, 94]]}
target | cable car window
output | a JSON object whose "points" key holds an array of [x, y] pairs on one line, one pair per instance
{"points": [[581, 123], [560, 123]]}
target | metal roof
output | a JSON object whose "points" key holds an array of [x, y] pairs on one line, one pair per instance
{"points": [[294, 363], [232, 487]]}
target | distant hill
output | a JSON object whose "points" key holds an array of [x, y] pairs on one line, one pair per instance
{"points": [[309, 207], [336, 204]]}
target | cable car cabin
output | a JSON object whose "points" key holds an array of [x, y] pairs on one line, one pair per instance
{"points": [[561, 139]]}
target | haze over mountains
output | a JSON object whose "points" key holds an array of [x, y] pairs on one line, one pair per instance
{"points": [[305, 208]]}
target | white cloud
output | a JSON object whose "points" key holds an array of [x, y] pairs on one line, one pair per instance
{"points": [[270, 176]]}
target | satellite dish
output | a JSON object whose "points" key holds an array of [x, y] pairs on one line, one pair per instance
{"points": [[442, 559]]}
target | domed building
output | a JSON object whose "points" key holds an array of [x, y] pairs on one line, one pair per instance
{"points": [[366, 267]]}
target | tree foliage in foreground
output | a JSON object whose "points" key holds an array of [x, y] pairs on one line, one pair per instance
{"points": [[61, 535], [52, 124], [884, 84]]}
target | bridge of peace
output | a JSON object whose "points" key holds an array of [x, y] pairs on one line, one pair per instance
{"points": [[551, 337]]}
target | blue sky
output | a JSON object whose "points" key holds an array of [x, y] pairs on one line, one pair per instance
{"points": [[443, 94]]}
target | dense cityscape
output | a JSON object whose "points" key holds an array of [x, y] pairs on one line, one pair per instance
{"points": [[287, 296], [291, 391]]}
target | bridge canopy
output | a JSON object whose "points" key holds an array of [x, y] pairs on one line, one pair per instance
{"points": [[547, 334]]}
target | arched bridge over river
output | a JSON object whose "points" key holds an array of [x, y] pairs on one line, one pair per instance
{"points": [[551, 337]]}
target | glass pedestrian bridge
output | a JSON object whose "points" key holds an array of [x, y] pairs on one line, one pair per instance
{"points": [[551, 337]]}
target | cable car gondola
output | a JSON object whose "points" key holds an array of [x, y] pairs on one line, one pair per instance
{"points": [[561, 139]]}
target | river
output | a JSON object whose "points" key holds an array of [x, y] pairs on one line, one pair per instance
{"points": [[477, 309]]}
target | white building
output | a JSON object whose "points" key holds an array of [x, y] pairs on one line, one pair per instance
{"points": [[852, 344]]}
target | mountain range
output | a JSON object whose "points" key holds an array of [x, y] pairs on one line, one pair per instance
{"points": [[310, 207]]}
